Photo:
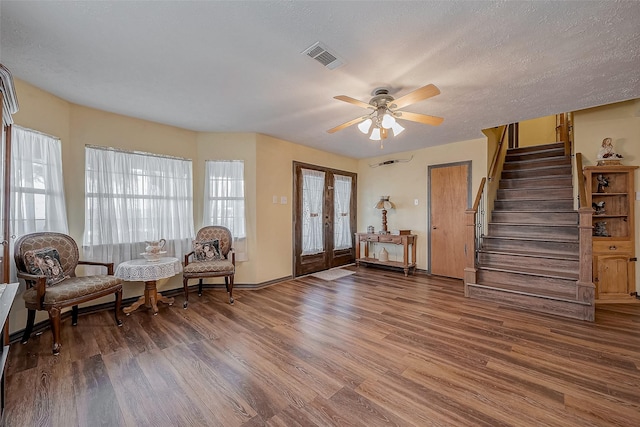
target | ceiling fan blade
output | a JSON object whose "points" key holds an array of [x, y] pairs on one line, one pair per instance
{"points": [[353, 101], [417, 95], [346, 125], [420, 118]]}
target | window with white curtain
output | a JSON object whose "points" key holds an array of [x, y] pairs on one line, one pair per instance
{"points": [[224, 201], [342, 212], [312, 214], [133, 197], [37, 189]]}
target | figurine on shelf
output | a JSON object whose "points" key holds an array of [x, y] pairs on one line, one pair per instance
{"points": [[600, 229], [598, 207], [603, 182], [606, 155]]}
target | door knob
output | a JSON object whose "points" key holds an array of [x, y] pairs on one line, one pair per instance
{"points": [[435, 228]]}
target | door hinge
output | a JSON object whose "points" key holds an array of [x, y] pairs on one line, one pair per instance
{"points": [[633, 259]]}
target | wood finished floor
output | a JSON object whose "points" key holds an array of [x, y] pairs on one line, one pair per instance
{"points": [[370, 349]]}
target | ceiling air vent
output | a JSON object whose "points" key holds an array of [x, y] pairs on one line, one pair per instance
{"points": [[321, 53]]}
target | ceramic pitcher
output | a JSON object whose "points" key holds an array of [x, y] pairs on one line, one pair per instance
{"points": [[154, 247]]}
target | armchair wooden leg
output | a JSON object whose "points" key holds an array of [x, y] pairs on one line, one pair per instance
{"points": [[31, 317], [54, 318], [74, 315], [118, 303], [228, 283], [186, 293], [200, 287]]}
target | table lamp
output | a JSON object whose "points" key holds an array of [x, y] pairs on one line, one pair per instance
{"points": [[384, 204]]}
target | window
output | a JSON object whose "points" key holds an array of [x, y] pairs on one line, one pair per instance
{"points": [[37, 190], [224, 200], [342, 212], [312, 211], [134, 197]]}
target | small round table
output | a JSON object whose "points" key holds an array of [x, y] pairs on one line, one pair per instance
{"points": [[141, 270]]}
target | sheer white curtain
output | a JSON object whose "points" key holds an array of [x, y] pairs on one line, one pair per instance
{"points": [[342, 212], [312, 214], [224, 201], [37, 189], [134, 197]]}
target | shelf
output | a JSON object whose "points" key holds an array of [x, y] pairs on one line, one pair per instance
{"points": [[389, 263]]}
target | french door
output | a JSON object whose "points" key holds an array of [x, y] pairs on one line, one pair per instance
{"points": [[324, 218]]}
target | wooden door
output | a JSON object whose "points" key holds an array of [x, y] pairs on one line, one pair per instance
{"points": [[449, 198], [335, 244]]}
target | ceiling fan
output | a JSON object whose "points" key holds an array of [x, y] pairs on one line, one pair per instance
{"points": [[386, 111]]}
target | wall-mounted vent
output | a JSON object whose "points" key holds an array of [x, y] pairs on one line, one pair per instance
{"points": [[320, 53]]}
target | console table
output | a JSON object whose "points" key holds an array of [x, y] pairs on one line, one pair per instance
{"points": [[370, 239]]}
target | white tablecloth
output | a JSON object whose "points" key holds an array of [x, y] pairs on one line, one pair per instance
{"points": [[141, 270]]}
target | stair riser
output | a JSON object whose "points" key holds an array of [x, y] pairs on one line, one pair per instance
{"points": [[563, 288], [533, 173], [535, 155], [529, 205], [527, 303], [542, 218], [536, 193], [541, 247], [538, 163], [536, 182], [533, 231], [536, 148], [539, 263]]}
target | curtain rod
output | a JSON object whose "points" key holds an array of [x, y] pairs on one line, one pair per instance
{"points": [[141, 153], [35, 131]]}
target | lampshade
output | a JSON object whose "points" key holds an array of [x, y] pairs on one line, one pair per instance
{"points": [[365, 126], [384, 203], [375, 134], [397, 129], [388, 121]]}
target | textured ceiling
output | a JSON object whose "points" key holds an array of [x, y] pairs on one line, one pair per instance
{"points": [[237, 66]]}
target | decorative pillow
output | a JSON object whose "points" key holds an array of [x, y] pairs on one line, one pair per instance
{"points": [[207, 250], [45, 262]]}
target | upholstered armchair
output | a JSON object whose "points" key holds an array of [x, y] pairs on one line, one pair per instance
{"points": [[47, 262], [212, 256]]}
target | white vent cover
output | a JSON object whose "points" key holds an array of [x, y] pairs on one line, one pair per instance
{"points": [[320, 53]]}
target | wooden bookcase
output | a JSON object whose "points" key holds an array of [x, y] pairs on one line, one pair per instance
{"points": [[610, 191]]}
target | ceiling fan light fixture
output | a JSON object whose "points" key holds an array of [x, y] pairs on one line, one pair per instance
{"points": [[375, 134], [365, 126], [388, 121], [396, 129]]}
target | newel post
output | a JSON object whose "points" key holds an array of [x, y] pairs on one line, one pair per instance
{"points": [[586, 288], [470, 250]]}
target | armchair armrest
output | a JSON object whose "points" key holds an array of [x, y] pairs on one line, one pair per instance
{"points": [[232, 254], [186, 258], [37, 281], [109, 265]]}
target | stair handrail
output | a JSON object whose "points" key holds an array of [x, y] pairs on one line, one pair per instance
{"points": [[473, 239], [496, 154], [582, 192]]}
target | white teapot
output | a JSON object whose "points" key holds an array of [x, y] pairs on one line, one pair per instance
{"points": [[155, 247]]}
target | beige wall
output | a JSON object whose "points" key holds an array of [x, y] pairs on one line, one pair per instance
{"points": [[406, 182], [537, 131], [620, 122]]}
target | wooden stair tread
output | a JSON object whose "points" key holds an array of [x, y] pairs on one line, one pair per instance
{"points": [[566, 275], [533, 239], [537, 210], [533, 224], [548, 295], [533, 254], [535, 148]]}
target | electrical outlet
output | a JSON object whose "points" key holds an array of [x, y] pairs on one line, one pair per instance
{"points": [[637, 195], [283, 200], [275, 199], [416, 202]]}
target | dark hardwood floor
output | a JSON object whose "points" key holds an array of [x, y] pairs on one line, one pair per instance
{"points": [[371, 349]]}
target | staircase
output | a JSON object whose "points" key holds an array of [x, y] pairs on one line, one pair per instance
{"points": [[530, 255]]}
